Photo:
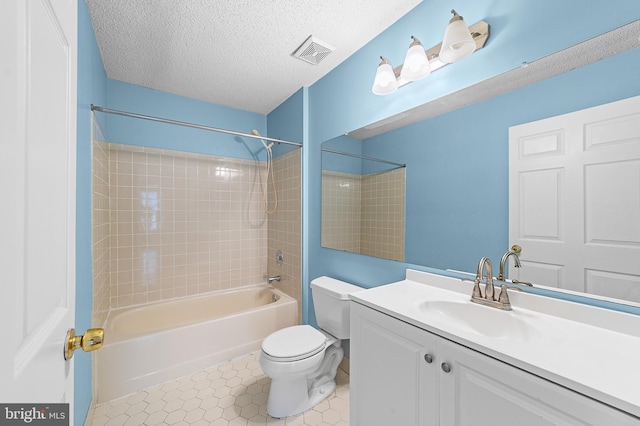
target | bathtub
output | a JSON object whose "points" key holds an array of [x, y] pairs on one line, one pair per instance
{"points": [[155, 343]]}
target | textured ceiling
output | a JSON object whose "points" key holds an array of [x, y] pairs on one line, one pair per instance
{"points": [[235, 53]]}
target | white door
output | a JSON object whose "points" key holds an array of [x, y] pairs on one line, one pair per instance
{"points": [[574, 200], [37, 206]]}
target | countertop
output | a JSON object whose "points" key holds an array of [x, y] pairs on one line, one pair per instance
{"points": [[591, 350]]}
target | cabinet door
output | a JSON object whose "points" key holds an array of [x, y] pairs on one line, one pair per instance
{"points": [[391, 382], [480, 390]]}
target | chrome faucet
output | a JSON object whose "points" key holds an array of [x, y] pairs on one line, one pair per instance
{"points": [[515, 251], [272, 279], [502, 302], [488, 289]]}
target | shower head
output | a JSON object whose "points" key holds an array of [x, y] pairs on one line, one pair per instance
{"points": [[254, 132]]}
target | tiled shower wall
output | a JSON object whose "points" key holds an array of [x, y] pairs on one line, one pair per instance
{"points": [[285, 224], [100, 238], [179, 224], [364, 214]]}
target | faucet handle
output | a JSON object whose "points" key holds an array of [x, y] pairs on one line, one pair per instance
{"points": [[476, 289], [503, 298]]}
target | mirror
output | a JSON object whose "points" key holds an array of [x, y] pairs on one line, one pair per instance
{"points": [[363, 201], [457, 171]]}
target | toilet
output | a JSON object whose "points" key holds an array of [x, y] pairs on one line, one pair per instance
{"points": [[301, 360]]}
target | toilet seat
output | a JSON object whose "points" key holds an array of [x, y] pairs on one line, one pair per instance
{"points": [[293, 343]]}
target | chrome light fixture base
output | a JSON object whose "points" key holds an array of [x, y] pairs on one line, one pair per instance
{"points": [[479, 33]]}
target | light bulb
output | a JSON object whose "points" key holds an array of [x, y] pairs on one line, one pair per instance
{"points": [[385, 81], [416, 64], [458, 42]]}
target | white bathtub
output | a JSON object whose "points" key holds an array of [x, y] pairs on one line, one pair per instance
{"points": [[152, 344]]}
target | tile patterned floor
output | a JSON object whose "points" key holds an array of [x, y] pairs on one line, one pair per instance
{"points": [[230, 394]]}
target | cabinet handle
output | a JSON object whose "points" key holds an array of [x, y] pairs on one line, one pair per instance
{"points": [[428, 358], [445, 367]]}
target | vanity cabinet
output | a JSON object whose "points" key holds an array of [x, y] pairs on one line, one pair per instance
{"points": [[404, 375], [390, 381]]}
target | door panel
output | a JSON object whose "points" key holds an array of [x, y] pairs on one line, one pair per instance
{"points": [[574, 200], [37, 219]]}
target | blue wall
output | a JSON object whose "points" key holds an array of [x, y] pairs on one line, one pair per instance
{"points": [[343, 163], [286, 123], [92, 88], [141, 100], [520, 32]]}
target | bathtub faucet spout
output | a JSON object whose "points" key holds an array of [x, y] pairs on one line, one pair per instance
{"points": [[272, 279]]}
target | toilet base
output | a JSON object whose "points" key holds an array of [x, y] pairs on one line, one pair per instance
{"points": [[291, 396]]}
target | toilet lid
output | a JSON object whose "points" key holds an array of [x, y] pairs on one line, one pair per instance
{"points": [[296, 342]]}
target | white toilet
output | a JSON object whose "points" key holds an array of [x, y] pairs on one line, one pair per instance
{"points": [[302, 361]]}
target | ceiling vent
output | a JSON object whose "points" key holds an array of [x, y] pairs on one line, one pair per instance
{"points": [[313, 50]]}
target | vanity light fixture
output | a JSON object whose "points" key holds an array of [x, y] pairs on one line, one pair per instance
{"points": [[459, 42], [386, 81]]}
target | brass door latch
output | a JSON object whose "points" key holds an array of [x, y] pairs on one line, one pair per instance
{"points": [[90, 341]]}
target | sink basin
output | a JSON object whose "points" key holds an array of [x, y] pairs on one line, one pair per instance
{"points": [[482, 320]]}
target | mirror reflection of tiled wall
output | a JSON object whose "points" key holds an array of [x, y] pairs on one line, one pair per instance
{"points": [[364, 214], [382, 227], [341, 211], [168, 224]]}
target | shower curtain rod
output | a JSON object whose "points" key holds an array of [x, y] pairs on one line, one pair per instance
{"points": [[185, 124], [333, 151]]}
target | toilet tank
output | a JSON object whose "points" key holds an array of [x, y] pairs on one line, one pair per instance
{"points": [[331, 302]]}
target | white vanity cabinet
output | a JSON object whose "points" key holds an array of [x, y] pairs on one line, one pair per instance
{"points": [[404, 375], [390, 381]]}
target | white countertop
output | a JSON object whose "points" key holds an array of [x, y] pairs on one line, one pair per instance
{"points": [[590, 350]]}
